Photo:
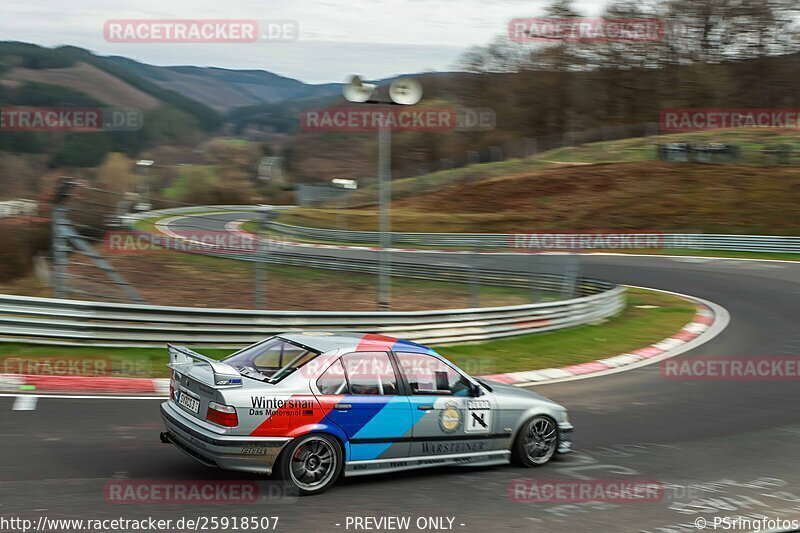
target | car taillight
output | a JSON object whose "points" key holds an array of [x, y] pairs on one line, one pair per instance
{"points": [[172, 385], [222, 415]]}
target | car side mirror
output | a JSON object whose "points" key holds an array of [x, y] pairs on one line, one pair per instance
{"points": [[475, 390]]}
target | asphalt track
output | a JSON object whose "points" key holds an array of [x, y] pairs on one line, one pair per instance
{"points": [[721, 448]]}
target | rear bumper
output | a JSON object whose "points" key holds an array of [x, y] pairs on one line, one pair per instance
{"points": [[565, 437], [250, 454]]}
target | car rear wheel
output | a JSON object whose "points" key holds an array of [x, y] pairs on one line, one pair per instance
{"points": [[311, 464], [536, 442]]}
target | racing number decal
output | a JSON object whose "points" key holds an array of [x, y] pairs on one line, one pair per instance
{"points": [[479, 417]]}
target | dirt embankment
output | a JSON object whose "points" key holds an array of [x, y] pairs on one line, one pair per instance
{"points": [[644, 195]]}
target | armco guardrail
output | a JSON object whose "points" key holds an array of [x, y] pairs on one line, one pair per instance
{"points": [[75, 322], [679, 241]]}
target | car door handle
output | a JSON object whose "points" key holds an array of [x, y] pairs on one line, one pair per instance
{"points": [[425, 407], [343, 406]]}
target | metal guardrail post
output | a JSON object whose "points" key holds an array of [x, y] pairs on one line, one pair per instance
{"points": [[471, 278], [60, 243], [60, 250], [532, 277], [570, 277], [259, 278], [474, 287], [260, 266]]}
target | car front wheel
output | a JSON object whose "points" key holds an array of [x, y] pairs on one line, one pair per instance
{"points": [[311, 464], [536, 442]]}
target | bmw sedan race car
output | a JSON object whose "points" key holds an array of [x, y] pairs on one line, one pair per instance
{"points": [[308, 407]]}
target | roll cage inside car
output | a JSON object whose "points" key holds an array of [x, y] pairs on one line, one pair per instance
{"points": [[250, 361]]}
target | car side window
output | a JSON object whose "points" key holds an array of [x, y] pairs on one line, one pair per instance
{"points": [[332, 381], [370, 373], [428, 375]]}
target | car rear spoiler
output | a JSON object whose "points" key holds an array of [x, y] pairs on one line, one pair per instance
{"points": [[223, 376]]}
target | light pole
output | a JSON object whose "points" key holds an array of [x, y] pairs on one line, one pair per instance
{"points": [[403, 91]]}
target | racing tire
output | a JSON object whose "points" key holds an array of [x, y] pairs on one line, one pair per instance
{"points": [[310, 464], [536, 443]]}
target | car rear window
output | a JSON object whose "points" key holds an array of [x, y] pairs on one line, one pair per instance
{"points": [[274, 358]]}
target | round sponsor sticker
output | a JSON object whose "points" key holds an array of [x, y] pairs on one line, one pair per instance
{"points": [[450, 420]]}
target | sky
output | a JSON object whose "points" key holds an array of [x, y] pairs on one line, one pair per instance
{"points": [[337, 38]]}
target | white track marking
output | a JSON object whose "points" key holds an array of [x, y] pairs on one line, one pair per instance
{"points": [[25, 403], [85, 397]]}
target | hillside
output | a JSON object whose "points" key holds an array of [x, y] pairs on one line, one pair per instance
{"points": [[626, 188], [224, 89], [680, 197], [87, 79], [97, 77], [31, 75]]}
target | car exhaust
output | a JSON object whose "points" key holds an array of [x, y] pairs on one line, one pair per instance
{"points": [[164, 436]]}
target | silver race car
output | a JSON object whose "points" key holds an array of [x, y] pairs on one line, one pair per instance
{"points": [[308, 407]]}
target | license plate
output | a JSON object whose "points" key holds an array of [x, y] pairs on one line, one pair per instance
{"points": [[188, 402]]}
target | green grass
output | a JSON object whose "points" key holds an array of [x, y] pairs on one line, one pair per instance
{"points": [[233, 141], [188, 177], [634, 328]]}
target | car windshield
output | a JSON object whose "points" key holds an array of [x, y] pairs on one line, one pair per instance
{"points": [[274, 359]]}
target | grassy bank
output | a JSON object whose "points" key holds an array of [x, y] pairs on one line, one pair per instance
{"points": [[649, 318]]}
